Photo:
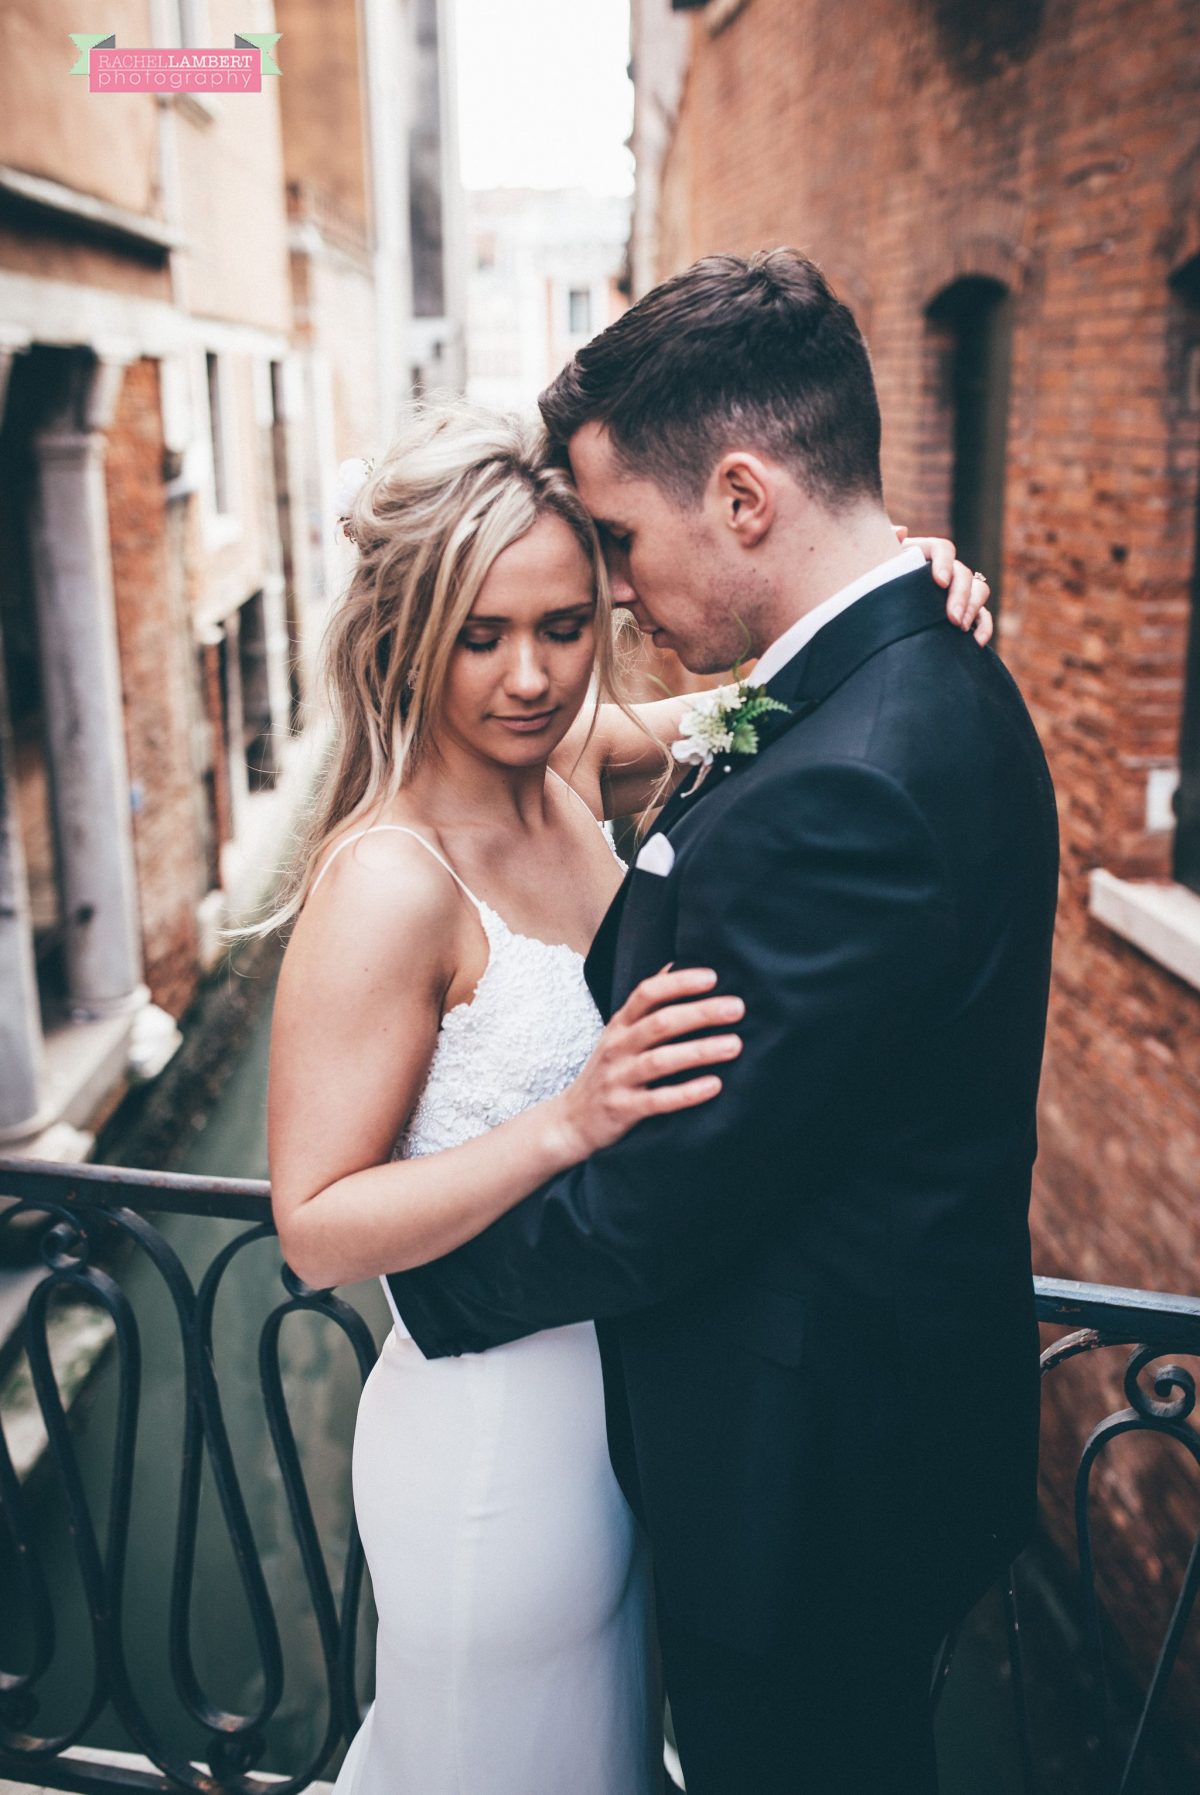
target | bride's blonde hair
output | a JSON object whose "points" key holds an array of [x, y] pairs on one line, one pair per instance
{"points": [[458, 486]]}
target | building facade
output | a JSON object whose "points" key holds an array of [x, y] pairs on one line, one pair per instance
{"points": [[544, 273], [205, 303], [1008, 196]]}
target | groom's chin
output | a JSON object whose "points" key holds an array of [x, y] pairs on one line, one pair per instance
{"points": [[701, 662]]}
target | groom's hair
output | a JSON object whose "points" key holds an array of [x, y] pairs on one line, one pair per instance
{"points": [[736, 352]]}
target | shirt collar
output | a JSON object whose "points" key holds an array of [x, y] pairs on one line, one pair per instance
{"points": [[801, 633]]}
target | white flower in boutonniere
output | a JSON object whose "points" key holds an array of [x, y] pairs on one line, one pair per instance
{"points": [[722, 722]]}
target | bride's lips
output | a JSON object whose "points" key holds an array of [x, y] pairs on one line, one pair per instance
{"points": [[531, 725]]}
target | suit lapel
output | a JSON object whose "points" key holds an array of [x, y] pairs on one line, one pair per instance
{"points": [[598, 967], [901, 608]]}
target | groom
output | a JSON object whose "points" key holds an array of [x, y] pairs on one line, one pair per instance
{"points": [[813, 1295]]}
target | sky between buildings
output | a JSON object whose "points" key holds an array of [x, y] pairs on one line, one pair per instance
{"points": [[544, 94]]}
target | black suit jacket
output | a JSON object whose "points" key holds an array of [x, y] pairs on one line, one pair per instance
{"points": [[814, 1294]]}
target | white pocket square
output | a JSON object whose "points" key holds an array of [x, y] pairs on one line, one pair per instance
{"points": [[656, 855]]}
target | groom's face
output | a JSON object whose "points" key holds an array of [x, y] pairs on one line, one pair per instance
{"points": [[672, 567]]}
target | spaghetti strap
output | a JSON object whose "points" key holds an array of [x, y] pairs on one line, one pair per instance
{"points": [[600, 824], [399, 829], [578, 796]]}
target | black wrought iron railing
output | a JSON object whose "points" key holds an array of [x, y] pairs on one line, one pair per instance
{"points": [[93, 1222]]}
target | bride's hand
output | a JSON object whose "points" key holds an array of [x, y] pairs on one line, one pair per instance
{"points": [[966, 601], [617, 1089]]}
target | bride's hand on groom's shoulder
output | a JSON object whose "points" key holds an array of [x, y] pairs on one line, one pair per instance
{"points": [[967, 592], [642, 1044]]}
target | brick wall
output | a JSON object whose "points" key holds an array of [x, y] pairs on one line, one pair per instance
{"points": [[1053, 146], [154, 638]]}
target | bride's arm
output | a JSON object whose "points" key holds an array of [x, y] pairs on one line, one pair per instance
{"points": [[356, 1021], [618, 763]]}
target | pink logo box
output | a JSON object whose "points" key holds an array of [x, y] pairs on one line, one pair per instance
{"points": [[175, 71]]}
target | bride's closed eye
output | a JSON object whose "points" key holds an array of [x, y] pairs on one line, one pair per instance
{"points": [[478, 645]]}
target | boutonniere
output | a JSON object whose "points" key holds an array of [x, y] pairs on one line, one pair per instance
{"points": [[722, 724]]}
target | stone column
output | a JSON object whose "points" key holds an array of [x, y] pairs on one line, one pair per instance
{"points": [[81, 668], [20, 1012]]}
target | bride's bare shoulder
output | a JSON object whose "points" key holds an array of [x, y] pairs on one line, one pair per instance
{"points": [[380, 899]]}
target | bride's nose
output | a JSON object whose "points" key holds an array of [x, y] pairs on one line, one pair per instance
{"points": [[526, 676]]}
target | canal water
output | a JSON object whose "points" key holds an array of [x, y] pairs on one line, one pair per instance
{"points": [[976, 1735]]}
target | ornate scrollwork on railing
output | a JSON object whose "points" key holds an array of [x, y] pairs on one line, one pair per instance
{"points": [[1165, 1413], [1154, 1325], [90, 1213], [95, 1216]]}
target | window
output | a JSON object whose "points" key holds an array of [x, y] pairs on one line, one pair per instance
{"points": [[217, 433], [971, 335], [1186, 354], [284, 525], [212, 678], [193, 23], [257, 724], [579, 312]]}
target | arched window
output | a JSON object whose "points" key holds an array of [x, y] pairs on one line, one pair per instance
{"points": [[970, 326], [1185, 348]]}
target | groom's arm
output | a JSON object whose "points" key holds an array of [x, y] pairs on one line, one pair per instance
{"points": [[822, 901]]}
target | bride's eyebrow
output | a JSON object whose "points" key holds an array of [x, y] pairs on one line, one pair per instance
{"points": [[583, 609]]}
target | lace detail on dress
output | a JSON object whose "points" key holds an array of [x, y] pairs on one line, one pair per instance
{"points": [[523, 1037]]}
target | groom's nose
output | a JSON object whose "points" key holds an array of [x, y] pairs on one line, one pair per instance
{"points": [[621, 587]]}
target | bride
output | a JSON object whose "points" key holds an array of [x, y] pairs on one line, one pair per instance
{"points": [[436, 1056]]}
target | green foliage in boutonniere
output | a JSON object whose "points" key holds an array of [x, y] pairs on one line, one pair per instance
{"points": [[723, 722]]}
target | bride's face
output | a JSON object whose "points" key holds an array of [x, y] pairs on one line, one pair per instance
{"points": [[524, 658]]}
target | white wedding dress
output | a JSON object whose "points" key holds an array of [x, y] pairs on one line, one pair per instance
{"points": [[516, 1651]]}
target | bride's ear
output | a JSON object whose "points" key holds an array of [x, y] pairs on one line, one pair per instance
{"points": [[743, 490]]}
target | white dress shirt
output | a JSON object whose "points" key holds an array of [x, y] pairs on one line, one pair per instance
{"points": [[801, 633]]}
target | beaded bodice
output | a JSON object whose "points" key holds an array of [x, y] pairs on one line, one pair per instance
{"points": [[522, 1037]]}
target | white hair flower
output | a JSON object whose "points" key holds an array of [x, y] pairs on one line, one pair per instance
{"points": [[352, 476]]}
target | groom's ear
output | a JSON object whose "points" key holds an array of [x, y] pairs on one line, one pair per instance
{"points": [[743, 489]]}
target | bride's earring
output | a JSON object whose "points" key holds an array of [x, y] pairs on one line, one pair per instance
{"points": [[412, 679]]}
